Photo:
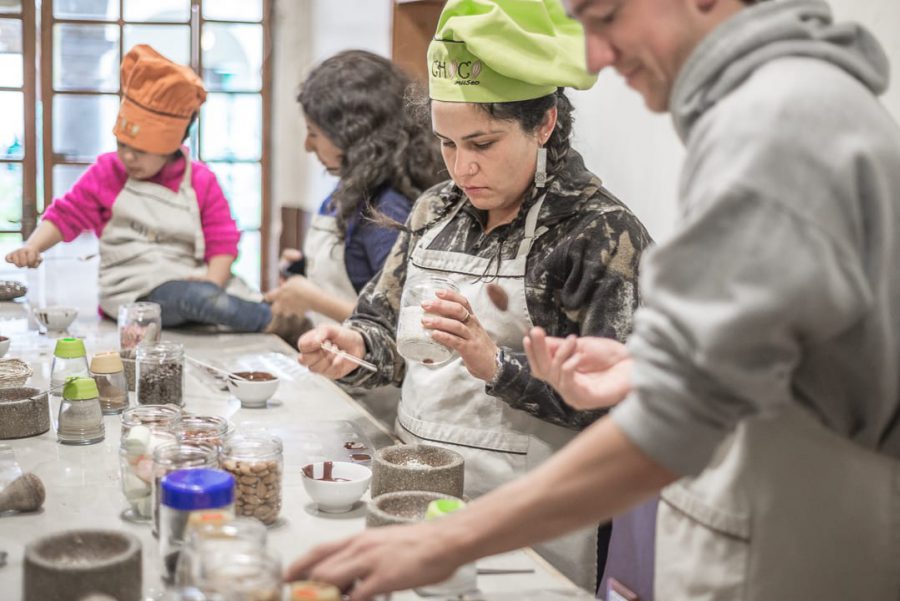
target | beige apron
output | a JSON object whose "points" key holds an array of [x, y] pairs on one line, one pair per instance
{"points": [[446, 405], [788, 511], [153, 236], [323, 251]]}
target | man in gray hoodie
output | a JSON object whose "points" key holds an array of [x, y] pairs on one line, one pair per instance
{"points": [[761, 386]]}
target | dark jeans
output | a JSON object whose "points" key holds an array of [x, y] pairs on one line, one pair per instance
{"points": [[188, 301]]}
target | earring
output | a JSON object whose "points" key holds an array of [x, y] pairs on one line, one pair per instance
{"points": [[540, 173]]}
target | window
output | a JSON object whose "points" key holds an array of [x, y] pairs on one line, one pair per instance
{"points": [[82, 43]]}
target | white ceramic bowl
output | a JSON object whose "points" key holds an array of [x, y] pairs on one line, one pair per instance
{"points": [[255, 389], [4, 345], [56, 319], [336, 495]]}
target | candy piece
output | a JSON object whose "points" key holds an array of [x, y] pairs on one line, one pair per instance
{"points": [[137, 440]]}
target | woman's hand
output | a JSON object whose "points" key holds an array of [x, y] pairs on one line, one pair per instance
{"points": [[588, 372], [294, 296], [328, 364], [27, 256], [454, 325]]}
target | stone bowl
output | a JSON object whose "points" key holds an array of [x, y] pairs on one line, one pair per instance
{"points": [[253, 388], [23, 412], [14, 373], [77, 563], [417, 467], [403, 507]]}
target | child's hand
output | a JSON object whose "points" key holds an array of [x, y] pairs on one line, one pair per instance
{"points": [[27, 256]]}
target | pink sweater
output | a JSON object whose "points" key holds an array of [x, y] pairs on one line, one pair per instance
{"points": [[88, 204]]}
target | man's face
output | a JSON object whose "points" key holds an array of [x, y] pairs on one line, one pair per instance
{"points": [[646, 41]]}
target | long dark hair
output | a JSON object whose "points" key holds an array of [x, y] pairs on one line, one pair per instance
{"points": [[357, 99]]}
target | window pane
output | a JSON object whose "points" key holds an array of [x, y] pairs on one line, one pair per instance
{"points": [[11, 53], [10, 7], [82, 126], [233, 10], [249, 265], [232, 57], [64, 177], [10, 196], [242, 186], [172, 11], [86, 57], [100, 10], [172, 41], [231, 127], [12, 125]]}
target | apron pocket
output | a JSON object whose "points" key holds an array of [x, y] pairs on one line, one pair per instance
{"points": [[702, 551]]}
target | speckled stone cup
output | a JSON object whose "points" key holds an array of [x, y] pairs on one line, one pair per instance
{"points": [[403, 507], [417, 467], [23, 414], [76, 563]]}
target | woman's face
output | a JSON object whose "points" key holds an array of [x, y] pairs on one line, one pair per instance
{"points": [[492, 160], [140, 164], [325, 150]]}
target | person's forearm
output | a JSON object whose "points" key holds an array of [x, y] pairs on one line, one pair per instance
{"points": [[599, 474], [218, 268], [45, 236]]}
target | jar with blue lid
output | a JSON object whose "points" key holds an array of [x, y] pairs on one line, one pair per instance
{"points": [[190, 498]]}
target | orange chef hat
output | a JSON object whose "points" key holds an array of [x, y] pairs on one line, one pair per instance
{"points": [[158, 99]]}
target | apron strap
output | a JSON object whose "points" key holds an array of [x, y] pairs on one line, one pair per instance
{"points": [[531, 230]]}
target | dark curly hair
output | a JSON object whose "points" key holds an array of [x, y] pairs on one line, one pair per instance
{"points": [[357, 99]]}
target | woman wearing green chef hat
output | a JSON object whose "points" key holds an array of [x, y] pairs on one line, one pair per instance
{"points": [[522, 219]]}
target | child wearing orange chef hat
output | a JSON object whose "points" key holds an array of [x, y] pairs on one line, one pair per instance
{"points": [[165, 228]]}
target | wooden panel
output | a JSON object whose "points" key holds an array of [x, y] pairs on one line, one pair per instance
{"points": [[413, 28], [294, 222]]}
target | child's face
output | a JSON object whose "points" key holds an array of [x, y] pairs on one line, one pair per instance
{"points": [[325, 150], [140, 164]]}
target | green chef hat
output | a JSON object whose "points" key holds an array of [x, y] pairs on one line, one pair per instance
{"points": [[505, 50]]}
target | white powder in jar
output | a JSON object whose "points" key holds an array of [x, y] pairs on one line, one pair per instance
{"points": [[414, 341]]}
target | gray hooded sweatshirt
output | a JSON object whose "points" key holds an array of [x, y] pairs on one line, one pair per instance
{"points": [[781, 284]]}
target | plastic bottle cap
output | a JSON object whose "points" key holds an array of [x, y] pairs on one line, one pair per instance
{"points": [[80, 388], [69, 348], [107, 363], [441, 507], [189, 490]]}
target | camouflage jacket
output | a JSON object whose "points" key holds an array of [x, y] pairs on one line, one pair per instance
{"points": [[581, 279]]}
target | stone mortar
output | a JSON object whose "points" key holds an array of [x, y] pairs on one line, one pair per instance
{"points": [[417, 467], [404, 507], [21, 415], [76, 563]]}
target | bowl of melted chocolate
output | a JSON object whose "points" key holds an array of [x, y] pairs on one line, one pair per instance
{"points": [[253, 388], [335, 486]]}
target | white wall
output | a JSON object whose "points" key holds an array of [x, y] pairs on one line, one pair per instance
{"points": [[638, 155]]}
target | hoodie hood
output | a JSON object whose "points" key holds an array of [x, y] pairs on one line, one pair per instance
{"points": [[767, 31]]}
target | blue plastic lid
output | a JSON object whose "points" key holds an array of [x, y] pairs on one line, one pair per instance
{"points": [[197, 489]]}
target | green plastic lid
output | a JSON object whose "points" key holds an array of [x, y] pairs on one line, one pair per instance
{"points": [[441, 507], [79, 388], [69, 348]]}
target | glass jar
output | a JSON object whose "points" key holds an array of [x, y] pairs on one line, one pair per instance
{"points": [[160, 374], [257, 464], [80, 419], [109, 374], [202, 429], [255, 576], [139, 323], [240, 535], [414, 341], [144, 428], [176, 455], [189, 498], [69, 360]]}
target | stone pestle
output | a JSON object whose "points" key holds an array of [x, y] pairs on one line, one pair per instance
{"points": [[25, 493]]}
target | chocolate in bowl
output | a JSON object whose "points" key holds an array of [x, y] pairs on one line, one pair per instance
{"points": [[254, 376]]}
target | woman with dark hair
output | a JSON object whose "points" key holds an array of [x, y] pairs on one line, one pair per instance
{"points": [[359, 129], [523, 234]]}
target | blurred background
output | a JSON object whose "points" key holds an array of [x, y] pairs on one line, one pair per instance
{"points": [[59, 95]]}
